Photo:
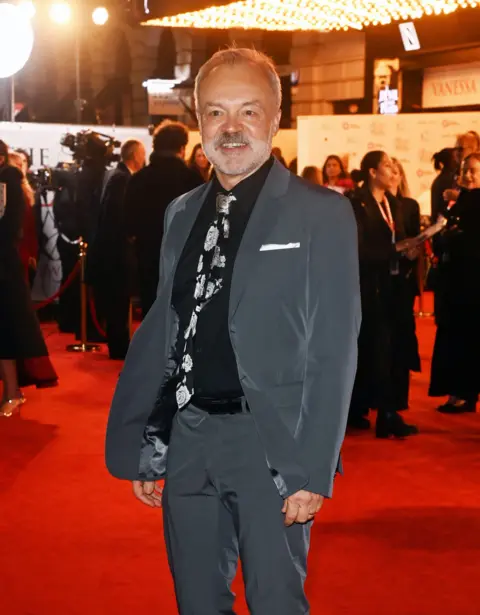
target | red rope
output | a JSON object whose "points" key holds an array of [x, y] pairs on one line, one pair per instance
{"points": [[93, 312], [61, 290]]}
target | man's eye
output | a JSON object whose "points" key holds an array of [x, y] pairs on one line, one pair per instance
{"points": [[250, 113], [215, 113]]}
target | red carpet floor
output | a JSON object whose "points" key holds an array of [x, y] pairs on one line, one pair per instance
{"points": [[400, 537]]}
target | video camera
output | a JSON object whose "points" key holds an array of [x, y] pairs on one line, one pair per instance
{"points": [[46, 178], [88, 145]]}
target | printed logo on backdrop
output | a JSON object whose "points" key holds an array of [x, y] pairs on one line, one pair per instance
{"points": [[374, 146], [425, 155], [448, 123], [423, 173], [377, 129], [402, 145], [348, 126]]}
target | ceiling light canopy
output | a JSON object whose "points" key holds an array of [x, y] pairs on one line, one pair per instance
{"points": [[313, 15]]}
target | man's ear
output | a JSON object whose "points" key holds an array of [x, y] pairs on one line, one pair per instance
{"points": [[277, 121]]}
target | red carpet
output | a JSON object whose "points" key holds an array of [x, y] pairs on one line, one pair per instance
{"points": [[401, 536]]}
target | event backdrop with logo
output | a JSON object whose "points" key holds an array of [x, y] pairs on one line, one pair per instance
{"points": [[412, 138], [43, 140]]}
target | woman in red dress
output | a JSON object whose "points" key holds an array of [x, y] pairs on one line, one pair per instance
{"points": [[335, 176]]}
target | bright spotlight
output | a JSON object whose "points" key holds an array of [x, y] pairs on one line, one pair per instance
{"points": [[27, 8], [16, 34], [60, 12], [100, 16]]}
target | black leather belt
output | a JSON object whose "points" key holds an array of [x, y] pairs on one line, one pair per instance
{"points": [[221, 406]]}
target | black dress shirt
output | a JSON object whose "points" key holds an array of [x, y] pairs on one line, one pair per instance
{"points": [[215, 370]]}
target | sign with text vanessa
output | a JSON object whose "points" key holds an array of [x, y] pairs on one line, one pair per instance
{"points": [[451, 86]]}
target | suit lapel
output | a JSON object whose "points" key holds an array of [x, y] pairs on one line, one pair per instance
{"points": [[264, 216], [182, 225]]}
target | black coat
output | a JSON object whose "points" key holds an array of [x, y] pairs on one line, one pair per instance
{"points": [[444, 181], [455, 362], [385, 342], [149, 193], [108, 253]]}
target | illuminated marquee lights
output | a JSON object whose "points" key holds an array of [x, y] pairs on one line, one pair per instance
{"points": [[318, 15]]}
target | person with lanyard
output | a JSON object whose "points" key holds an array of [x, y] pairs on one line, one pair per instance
{"points": [[382, 351], [236, 386]]}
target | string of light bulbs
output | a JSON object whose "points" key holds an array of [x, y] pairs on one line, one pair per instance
{"points": [[312, 15]]}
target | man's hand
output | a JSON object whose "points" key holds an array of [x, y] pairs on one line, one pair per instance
{"points": [[148, 492], [301, 507]]}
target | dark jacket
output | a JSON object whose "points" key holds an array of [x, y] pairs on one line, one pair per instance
{"points": [[444, 181], [11, 218], [376, 251], [148, 194], [108, 252], [462, 250]]}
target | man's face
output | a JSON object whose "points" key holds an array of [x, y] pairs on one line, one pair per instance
{"points": [[238, 116]]}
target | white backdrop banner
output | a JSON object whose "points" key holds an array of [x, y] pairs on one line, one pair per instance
{"points": [[43, 140], [412, 138]]}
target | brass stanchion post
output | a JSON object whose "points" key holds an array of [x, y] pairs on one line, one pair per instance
{"points": [[83, 346]]}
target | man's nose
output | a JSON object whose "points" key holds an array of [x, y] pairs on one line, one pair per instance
{"points": [[232, 123]]}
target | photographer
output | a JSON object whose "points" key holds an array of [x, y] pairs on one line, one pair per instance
{"points": [[77, 209]]}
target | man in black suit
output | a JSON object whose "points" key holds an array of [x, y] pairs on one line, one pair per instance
{"points": [[148, 195], [108, 255]]}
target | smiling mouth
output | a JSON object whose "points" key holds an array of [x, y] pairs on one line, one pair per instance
{"points": [[233, 145]]}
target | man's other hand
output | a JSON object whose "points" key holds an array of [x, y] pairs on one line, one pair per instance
{"points": [[301, 507], [148, 492]]}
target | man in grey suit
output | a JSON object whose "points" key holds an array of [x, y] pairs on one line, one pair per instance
{"points": [[243, 369]]}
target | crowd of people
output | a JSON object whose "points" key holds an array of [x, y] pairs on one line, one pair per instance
{"points": [[390, 248], [125, 243]]}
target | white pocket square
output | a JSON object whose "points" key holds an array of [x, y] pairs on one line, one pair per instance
{"points": [[279, 246]]}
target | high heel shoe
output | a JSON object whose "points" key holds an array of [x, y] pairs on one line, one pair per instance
{"points": [[391, 425], [11, 407]]}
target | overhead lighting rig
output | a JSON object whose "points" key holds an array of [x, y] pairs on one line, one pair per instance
{"points": [[309, 15]]}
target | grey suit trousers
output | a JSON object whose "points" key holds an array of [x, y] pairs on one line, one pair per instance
{"points": [[221, 503]]}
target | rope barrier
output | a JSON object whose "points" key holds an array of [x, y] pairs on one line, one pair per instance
{"points": [[93, 314], [73, 242], [61, 290]]}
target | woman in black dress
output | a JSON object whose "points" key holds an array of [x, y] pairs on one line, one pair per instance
{"points": [[410, 210], [20, 334], [456, 362], [383, 343]]}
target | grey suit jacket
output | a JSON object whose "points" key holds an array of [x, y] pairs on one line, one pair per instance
{"points": [[294, 318]]}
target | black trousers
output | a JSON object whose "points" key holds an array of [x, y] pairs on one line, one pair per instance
{"points": [[113, 304], [220, 503]]}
